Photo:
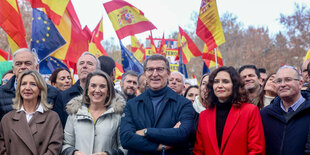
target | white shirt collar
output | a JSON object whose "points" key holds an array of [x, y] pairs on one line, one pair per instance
{"points": [[39, 109]]}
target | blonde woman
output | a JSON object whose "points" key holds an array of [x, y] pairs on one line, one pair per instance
{"points": [[31, 128]]}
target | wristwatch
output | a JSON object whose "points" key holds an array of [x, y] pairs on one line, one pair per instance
{"points": [[145, 131]]}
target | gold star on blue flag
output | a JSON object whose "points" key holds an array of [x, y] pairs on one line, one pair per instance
{"points": [[45, 38], [49, 64], [129, 61]]}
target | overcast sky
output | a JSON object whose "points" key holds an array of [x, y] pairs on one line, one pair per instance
{"points": [[167, 15]]}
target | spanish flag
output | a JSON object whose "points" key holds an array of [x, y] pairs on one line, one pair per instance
{"points": [[119, 71], [54, 8], [189, 48], [308, 54], [12, 23], [154, 50], [77, 38], [137, 49], [210, 57], [95, 46], [126, 19], [162, 48], [209, 27], [3, 55]]}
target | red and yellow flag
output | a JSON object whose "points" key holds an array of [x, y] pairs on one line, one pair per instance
{"points": [[137, 49], [308, 54], [119, 71], [154, 50], [189, 48], [3, 55], [12, 23], [209, 27], [54, 8], [77, 38], [162, 48], [209, 56], [126, 19], [95, 46]]}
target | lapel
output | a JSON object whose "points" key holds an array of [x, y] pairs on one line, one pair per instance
{"points": [[230, 123], [211, 122], [161, 109], [149, 112], [38, 118], [23, 131]]}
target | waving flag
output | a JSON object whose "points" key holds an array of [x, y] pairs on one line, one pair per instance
{"points": [[3, 55], [162, 48], [48, 65], [12, 23], [308, 54], [129, 61], [154, 50], [95, 46], [189, 48], [209, 27], [182, 66], [205, 68], [126, 19], [137, 49], [210, 57], [119, 71], [54, 8], [45, 38], [77, 38]]}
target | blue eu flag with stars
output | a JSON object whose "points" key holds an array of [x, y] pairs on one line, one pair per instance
{"points": [[45, 38], [129, 61], [49, 64]]}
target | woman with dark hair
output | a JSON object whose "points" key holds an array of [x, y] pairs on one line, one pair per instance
{"points": [[229, 125], [61, 79], [198, 103], [191, 92], [32, 128], [93, 125], [269, 89]]}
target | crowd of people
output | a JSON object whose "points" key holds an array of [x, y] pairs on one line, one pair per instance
{"points": [[232, 111]]}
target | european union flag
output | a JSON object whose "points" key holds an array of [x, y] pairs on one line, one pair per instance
{"points": [[205, 68], [48, 65], [182, 66], [130, 62], [45, 38]]}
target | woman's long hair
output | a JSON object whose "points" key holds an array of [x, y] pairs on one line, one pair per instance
{"points": [[238, 95]]}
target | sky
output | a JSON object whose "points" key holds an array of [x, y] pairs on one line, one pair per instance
{"points": [[167, 15]]}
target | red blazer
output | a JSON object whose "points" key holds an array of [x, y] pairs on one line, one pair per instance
{"points": [[243, 132]]}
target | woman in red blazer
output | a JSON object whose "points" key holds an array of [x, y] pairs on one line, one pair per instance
{"points": [[229, 125]]}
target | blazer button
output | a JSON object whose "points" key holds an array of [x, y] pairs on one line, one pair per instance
{"points": [[40, 143], [9, 140]]}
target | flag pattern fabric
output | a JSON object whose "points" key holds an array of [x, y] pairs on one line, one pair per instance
{"points": [[162, 47], [182, 67], [188, 47], [3, 55], [153, 46], [12, 23], [45, 38], [53, 8], [126, 19], [95, 46], [119, 71], [129, 61], [205, 68], [137, 49], [77, 38], [209, 56], [209, 27], [49, 64], [308, 54]]}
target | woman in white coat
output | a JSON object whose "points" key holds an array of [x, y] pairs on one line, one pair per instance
{"points": [[93, 125]]}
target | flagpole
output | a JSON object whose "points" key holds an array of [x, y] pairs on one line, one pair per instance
{"points": [[215, 51]]}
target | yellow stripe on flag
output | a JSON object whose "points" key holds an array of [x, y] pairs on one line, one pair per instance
{"points": [[13, 4]]}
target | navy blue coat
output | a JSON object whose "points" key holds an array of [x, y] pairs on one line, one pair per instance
{"points": [[64, 98], [8, 92], [139, 114], [286, 137]]}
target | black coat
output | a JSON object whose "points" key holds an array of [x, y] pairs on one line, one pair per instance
{"points": [[286, 137], [64, 98], [7, 93]]}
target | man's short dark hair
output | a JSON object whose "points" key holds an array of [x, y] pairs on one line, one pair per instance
{"points": [[308, 69], [130, 72], [157, 57], [107, 64], [250, 67], [262, 70]]}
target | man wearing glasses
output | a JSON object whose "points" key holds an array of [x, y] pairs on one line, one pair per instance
{"points": [[286, 120], [159, 120]]}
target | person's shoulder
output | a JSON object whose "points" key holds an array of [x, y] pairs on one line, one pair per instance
{"points": [[8, 116]]}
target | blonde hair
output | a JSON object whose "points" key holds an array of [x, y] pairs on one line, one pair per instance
{"points": [[42, 98]]}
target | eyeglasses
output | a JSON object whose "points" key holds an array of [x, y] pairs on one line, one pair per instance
{"points": [[286, 80], [151, 70]]}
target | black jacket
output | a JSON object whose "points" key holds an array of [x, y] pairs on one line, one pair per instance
{"points": [[7, 93], [286, 137], [64, 98]]}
